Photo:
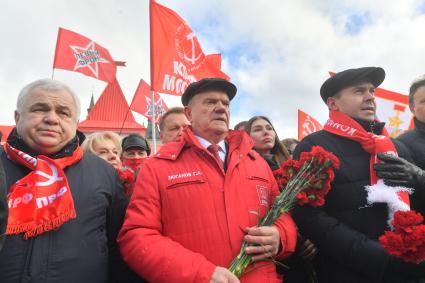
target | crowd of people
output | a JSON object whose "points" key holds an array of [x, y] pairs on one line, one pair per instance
{"points": [[104, 208]]}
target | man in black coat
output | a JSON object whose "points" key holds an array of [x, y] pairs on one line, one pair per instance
{"points": [[65, 206], [399, 172], [414, 139], [345, 230]]}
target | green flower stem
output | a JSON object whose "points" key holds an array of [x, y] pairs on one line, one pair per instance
{"points": [[283, 203], [241, 262]]}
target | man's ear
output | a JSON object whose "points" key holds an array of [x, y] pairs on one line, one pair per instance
{"points": [[188, 113], [332, 103], [17, 116], [412, 108]]}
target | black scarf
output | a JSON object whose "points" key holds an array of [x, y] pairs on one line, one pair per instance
{"points": [[17, 142]]}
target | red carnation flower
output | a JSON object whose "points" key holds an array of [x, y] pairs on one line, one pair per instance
{"points": [[302, 198], [393, 242], [406, 219], [408, 239]]}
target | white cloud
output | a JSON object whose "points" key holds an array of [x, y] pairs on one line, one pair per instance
{"points": [[277, 52]]}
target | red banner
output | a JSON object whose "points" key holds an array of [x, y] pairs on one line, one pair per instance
{"points": [[393, 109], [142, 102], [307, 125], [78, 53], [177, 58]]}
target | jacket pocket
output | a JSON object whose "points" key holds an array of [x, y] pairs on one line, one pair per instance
{"points": [[258, 178], [179, 183]]}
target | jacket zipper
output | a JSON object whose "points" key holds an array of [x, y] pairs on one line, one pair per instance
{"points": [[28, 259]]}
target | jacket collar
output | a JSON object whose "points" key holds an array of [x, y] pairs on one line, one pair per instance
{"points": [[420, 126], [237, 141], [375, 127]]}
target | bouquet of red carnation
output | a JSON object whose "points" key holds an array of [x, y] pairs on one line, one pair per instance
{"points": [[306, 181], [407, 241]]}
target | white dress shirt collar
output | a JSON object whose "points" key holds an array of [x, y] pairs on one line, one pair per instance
{"points": [[221, 145]]}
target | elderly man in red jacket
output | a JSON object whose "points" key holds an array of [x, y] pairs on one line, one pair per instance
{"points": [[198, 199]]}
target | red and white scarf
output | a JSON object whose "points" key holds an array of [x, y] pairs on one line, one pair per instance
{"points": [[397, 198], [41, 201]]}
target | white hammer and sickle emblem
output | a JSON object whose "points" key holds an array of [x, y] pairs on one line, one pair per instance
{"points": [[50, 178], [191, 36]]}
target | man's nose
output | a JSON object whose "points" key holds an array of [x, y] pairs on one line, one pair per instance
{"points": [[370, 95], [51, 117], [220, 106]]}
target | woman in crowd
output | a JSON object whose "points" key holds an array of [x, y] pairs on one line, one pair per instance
{"points": [[107, 145], [290, 144], [268, 145]]}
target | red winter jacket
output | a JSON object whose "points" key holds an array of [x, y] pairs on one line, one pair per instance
{"points": [[186, 215]]}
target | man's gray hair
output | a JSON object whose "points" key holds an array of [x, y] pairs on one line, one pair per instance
{"points": [[47, 85]]}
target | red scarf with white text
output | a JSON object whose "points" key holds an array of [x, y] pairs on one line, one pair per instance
{"points": [[41, 201], [342, 125]]}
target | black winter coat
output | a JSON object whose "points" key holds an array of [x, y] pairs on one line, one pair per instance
{"points": [[345, 230], [82, 250], [3, 206], [414, 140]]}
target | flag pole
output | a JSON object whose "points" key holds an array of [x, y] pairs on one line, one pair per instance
{"points": [[153, 121], [125, 117], [152, 74], [56, 52]]}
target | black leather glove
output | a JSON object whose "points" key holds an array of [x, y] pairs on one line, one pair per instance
{"points": [[396, 171]]}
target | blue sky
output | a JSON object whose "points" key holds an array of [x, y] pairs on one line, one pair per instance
{"points": [[356, 22], [422, 7]]}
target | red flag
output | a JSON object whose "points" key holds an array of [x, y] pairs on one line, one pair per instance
{"points": [[214, 60], [78, 53], [393, 109], [142, 102], [177, 58], [307, 125]]}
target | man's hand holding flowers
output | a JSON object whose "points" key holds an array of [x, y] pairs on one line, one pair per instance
{"points": [[265, 242]]}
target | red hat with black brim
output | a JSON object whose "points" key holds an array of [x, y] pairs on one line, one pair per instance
{"points": [[208, 84], [350, 77]]}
